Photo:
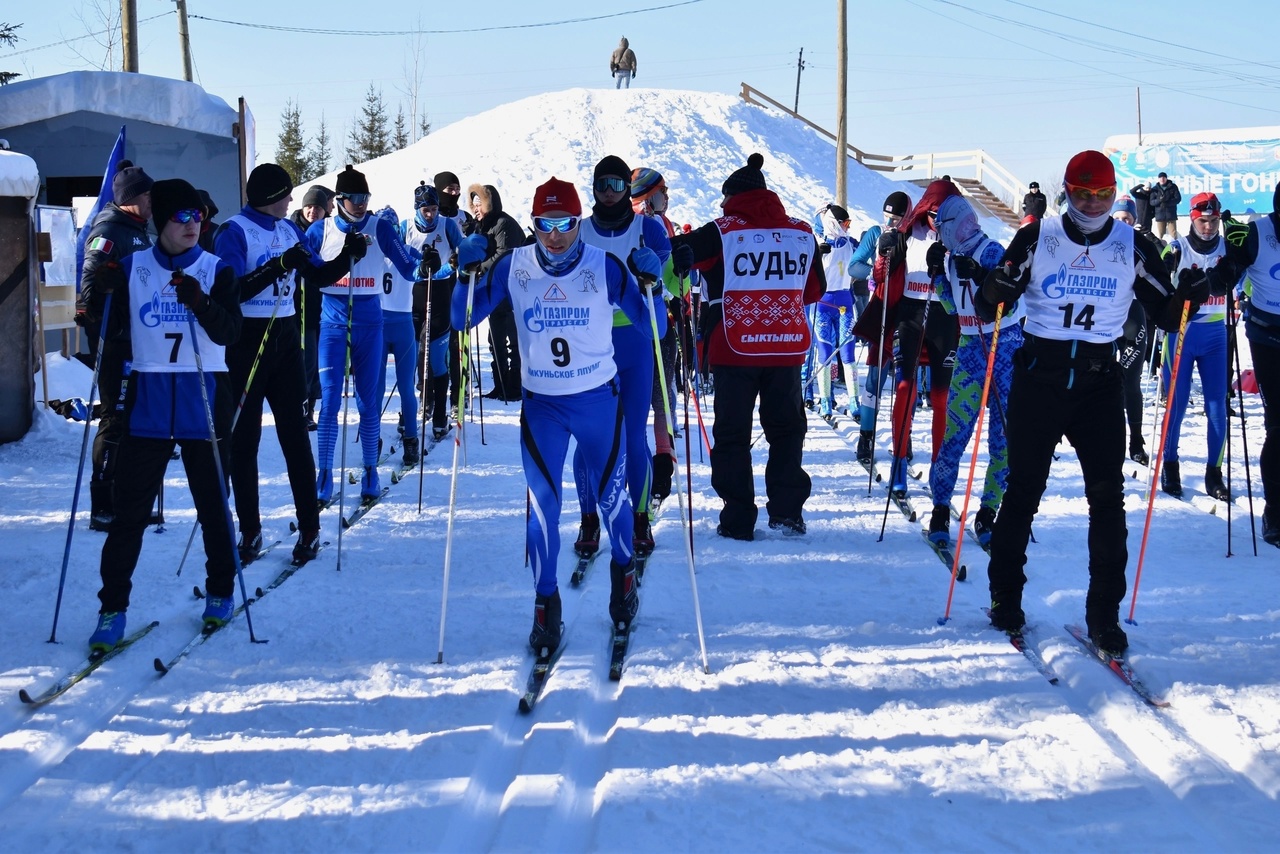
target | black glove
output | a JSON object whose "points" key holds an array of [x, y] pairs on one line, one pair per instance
{"points": [[189, 292], [430, 264], [682, 259], [1193, 286], [355, 245], [887, 246], [935, 259], [295, 257], [999, 286], [969, 268], [108, 277], [824, 248]]}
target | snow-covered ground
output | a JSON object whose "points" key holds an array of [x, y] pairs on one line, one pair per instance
{"points": [[838, 713]]}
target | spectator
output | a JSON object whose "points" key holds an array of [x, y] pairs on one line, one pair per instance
{"points": [[1034, 202], [1165, 198], [1142, 208], [317, 203], [505, 234], [622, 65]]}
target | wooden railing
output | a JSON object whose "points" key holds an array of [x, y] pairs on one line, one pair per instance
{"points": [[998, 180]]}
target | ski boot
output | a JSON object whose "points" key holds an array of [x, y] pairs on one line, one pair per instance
{"points": [[664, 466], [412, 450], [1138, 453], [899, 485], [984, 521], [324, 486], [217, 612], [545, 636], [1213, 484], [1270, 527], [249, 546], [370, 488], [642, 535], [1107, 636], [624, 602], [866, 446], [940, 525], [307, 547], [788, 524], [1171, 479], [588, 535], [1006, 612], [108, 634]]}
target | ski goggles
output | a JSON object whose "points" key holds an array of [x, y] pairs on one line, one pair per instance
{"points": [[357, 198], [189, 215], [608, 183], [1082, 195], [1211, 207], [562, 224]]}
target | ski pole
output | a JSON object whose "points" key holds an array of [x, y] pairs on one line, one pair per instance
{"points": [[427, 386], [684, 521], [480, 390], [1244, 440], [878, 382], [1159, 457], [84, 446], [457, 448], [900, 442], [346, 409], [973, 462], [217, 465]]}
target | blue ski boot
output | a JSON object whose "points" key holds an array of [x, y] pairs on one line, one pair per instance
{"points": [[217, 612], [324, 486], [899, 485], [109, 633], [370, 488]]}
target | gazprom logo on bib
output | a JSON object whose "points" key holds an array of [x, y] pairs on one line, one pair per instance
{"points": [[1275, 272], [542, 317], [1079, 284]]}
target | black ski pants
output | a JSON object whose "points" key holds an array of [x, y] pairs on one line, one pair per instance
{"points": [[1266, 369], [111, 428], [1051, 396], [280, 381], [145, 460], [782, 416], [505, 350]]}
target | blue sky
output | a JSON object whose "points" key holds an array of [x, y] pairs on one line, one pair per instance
{"points": [[1031, 82]]}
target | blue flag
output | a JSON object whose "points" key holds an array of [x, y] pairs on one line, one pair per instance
{"points": [[104, 198]]}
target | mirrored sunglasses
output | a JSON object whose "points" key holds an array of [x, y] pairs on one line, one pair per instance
{"points": [[562, 224], [1085, 194], [358, 198], [607, 183], [191, 215]]}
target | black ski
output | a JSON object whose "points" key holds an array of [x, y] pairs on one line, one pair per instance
{"points": [[296, 563], [1119, 666], [904, 505], [619, 643], [580, 571], [366, 504], [948, 558], [206, 632], [90, 664], [542, 665], [1019, 641]]}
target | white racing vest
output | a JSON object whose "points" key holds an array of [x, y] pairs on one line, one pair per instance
{"points": [[765, 270], [964, 289], [836, 263], [1265, 270], [397, 291], [366, 275], [158, 323], [918, 284], [565, 323], [1214, 309], [619, 245], [1080, 292], [262, 246]]}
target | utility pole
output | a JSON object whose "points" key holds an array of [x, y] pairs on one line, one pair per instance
{"points": [[799, 68], [1139, 115], [129, 34], [842, 103], [184, 40]]}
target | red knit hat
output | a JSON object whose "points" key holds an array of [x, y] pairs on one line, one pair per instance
{"points": [[1205, 204], [1092, 170], [557, 195]]}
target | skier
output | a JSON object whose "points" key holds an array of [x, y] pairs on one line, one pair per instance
{"points": [[565, 291], [354, 336], [1205, 346], [1133, 345], [919, 331], [614, 227], [874, 323], [1253, 251], [969, 255], [264, 249], [750, 366], [1079, 273], [431, 231], [119, 230], [833, 329], [157, 293]]}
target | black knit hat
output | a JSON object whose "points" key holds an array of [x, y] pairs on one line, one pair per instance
{"points": [[268, 183], [749, 177], [129, 183], [614, 166], [897, 203], [838, 212], [318, 196], [210, 209], [350, 181], [170, 196], [444, 179]]}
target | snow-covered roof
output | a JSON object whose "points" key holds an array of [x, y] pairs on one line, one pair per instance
{"points": [[1130, 140], [140, 97], [19, 177]]}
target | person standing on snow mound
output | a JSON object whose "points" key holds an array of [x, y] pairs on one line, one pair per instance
{"points": [[564, 292], [622, 64], [158, 291], [748, 363], [1253, 251], [351, 317], [1076, 275]]}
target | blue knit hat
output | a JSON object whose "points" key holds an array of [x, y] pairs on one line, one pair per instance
{"points": [[1126, 205]]}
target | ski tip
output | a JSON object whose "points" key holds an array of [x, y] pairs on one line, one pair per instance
{"points": [[25, 697], [160, 667], [962, 574], [197, 592], [525, 706]]}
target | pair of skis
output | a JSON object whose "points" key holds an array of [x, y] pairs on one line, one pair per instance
{"points": [[544, 661]]}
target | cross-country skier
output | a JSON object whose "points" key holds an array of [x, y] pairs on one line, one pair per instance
{"points": [[833, 328], [356, 335], [1205, 346], [400, 339], [157, 293], [614, 227], [970, 254], [564, 293], [431, 231], [1078, 273]]}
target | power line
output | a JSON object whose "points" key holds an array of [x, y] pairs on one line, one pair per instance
{"points": [[86, 35], [399, 33]]}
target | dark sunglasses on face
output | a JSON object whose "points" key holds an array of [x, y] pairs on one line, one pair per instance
{"points": [[608, 183], [358, 198], [1211, 206], [562, 224], [184, 217]]}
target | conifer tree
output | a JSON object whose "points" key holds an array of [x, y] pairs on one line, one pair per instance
{"points": [[400, 137], [318, 154], [291, 148], [9, 36], [370, 137]]}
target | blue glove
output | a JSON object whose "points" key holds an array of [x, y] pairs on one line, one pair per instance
{"points": [[473, 251], [645, 266]]}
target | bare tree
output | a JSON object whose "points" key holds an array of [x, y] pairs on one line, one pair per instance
{"points": [[101, 21], [415, 66]]}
